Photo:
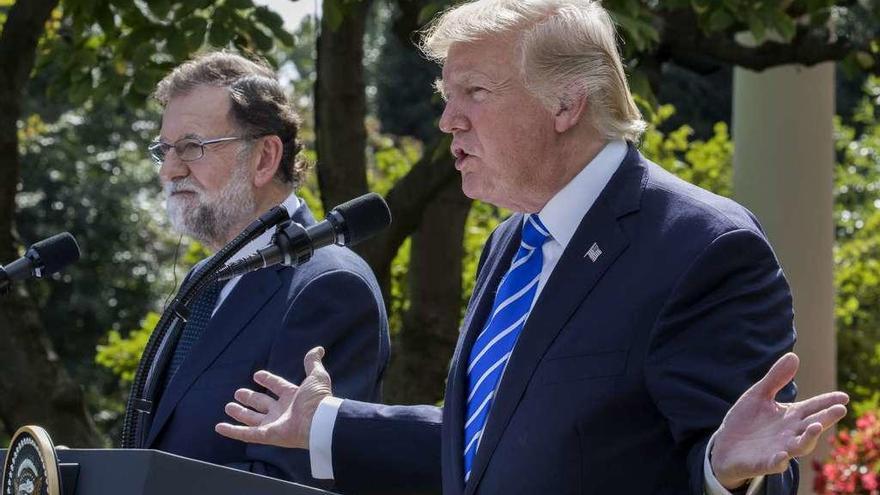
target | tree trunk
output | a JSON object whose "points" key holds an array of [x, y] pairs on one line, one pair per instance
{"points": [[340, 105], [35, 386], [424, 347]]}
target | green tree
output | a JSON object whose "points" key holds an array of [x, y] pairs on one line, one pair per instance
{"points": [[79, 54]]}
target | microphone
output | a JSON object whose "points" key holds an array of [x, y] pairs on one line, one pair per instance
{"points": [[42, 259], [293, 244]]}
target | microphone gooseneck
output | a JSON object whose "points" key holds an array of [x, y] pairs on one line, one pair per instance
{"points": [[294, 244]]}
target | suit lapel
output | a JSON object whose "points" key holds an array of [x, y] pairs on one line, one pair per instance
{"points": [[478, 309], [249, 296], [574, 277]]}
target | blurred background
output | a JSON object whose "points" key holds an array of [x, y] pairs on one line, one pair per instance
{"points": [[772, 102]]}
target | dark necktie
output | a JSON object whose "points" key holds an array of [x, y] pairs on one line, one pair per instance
{"points": [[200, 316]]}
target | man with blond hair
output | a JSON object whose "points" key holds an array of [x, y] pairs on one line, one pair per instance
{"points": [[620, 316]]}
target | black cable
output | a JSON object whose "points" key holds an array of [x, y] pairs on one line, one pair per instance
{"points": [[140, 399], [173, 274]]}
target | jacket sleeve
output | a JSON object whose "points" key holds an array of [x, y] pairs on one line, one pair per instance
{"points": [[728, 319], [340, 311], [387, 449]]}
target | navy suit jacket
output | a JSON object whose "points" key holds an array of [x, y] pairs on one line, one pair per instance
{"points": [[269, 321], [625, 367]]}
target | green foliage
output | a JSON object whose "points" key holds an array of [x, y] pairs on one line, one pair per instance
{"points": [[85, 169], [112, 47], [121, 355], [857, 269], [708, 164], [390, 159]]}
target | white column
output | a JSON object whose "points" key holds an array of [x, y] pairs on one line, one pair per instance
{"points": [[783, 164]]}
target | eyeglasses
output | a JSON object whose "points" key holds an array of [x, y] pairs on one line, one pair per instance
{"points": [[188, 149]]}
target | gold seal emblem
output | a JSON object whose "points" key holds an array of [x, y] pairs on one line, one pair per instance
{"points": [[31, 467]]}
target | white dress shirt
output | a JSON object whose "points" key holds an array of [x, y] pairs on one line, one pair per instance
{"points": [[561, 215], [291, 203]]}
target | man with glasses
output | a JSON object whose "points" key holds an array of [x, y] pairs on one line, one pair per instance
{"points": [[227, 152]]}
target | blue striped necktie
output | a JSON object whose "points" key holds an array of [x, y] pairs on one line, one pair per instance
{"points": [[494, 344]]}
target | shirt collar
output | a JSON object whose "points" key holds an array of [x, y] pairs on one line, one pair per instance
{"points": [[565, 210], [291, 204]]}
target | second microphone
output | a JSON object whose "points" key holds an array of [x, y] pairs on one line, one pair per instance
{"points": [[293, 244]]}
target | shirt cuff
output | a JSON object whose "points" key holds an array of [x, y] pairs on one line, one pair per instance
{"points": [[711, 485], [321, 438]]}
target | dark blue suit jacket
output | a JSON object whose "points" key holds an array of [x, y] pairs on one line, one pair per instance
{"points": [[269, 321], [624, 369]]}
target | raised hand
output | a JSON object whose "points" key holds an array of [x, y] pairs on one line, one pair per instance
{"points": [[760, 436], [284, 422]]}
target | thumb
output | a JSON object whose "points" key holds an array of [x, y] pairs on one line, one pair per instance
{"points": [[781, 373], [314, 366]]}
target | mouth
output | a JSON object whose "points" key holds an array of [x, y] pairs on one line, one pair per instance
{"points": [[181, 193], [460, 156]]}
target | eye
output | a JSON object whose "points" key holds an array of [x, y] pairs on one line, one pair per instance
{"points": [[477, 92], [189, 149]]}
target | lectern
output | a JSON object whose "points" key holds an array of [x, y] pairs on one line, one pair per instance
{"points": [[151, 472]]}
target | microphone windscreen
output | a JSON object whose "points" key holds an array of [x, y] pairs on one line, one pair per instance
{"points": [[56, 252], [364, 217]]}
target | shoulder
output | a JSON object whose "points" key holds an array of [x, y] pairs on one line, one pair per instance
{"points": [[332, 265], [678, 207]]}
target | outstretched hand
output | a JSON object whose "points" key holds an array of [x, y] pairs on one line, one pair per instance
{"points": [[760, 436], [284, 422]]}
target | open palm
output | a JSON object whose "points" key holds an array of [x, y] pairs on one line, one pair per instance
{"points": [[284, 421], [760, 436]]}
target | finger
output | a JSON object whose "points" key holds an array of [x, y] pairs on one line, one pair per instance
{"points": [[806, 442], [247, 434], [314, 366], [778, 463], [274, 383], [827, 417], [781, 373], [255, 400], [821, 402], [243, 414]]}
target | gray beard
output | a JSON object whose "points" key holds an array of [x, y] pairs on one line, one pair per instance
{"points": [[213, 218]]}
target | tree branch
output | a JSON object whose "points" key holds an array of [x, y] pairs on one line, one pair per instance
{"points": [[683, 42], [407, 200]]}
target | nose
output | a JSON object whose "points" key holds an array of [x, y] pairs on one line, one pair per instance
{"points": [[172, 168], [453, 119]]}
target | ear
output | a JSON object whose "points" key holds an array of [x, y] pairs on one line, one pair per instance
{"points": [[269, 150], [571, 109]]}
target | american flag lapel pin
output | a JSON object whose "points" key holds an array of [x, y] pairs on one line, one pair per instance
{"points": [[594, 252]]}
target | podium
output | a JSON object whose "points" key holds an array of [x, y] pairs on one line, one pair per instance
{"points": [[152, 472]]}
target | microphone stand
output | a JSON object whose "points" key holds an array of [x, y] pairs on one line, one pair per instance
{"points": [[143, 388], [5, 282]]}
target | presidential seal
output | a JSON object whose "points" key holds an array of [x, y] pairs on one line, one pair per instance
{"points": [[31, 467]]}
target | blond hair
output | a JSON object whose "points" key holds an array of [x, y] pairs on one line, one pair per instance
{"points": [[567, 48]]}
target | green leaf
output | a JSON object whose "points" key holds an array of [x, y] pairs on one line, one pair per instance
{"points": [[720, 20], [195, 28], [269, 18], [428, 12], [238, 4], [758, 28], [219, 35], [785, 26], [105, 17], [177, 44], [160, 8], [262, 41], [701, 6], [285, 38], [333, 13]]}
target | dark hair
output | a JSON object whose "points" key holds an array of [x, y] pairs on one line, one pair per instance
{"points": [[258, 104]]}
